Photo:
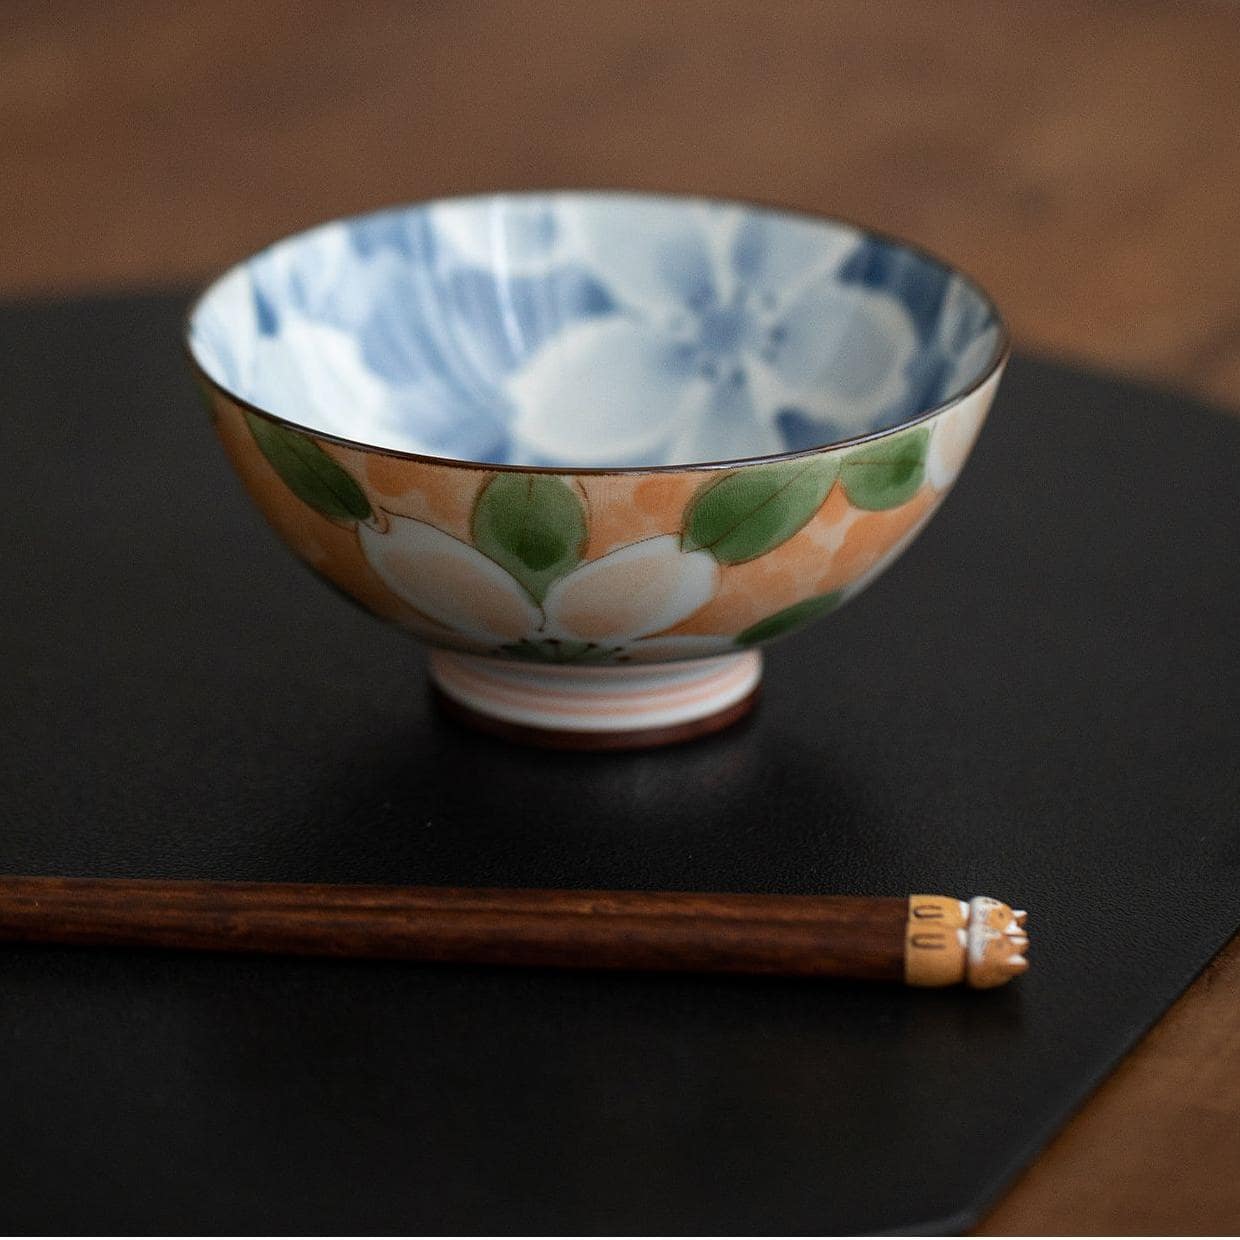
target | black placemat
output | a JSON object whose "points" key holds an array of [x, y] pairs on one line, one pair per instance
{"points": [[1037, 702]]}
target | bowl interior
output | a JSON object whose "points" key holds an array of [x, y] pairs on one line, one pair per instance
{"points": [[592, 330]]}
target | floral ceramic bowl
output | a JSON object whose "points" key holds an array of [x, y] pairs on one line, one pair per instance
{"points": [[596, 448]]}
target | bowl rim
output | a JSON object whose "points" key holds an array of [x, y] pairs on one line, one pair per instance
{"points": [[994, 365]]}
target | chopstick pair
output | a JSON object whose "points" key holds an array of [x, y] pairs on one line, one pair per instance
{"points": [[921, 940]]}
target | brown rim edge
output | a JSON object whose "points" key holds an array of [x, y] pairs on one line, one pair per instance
{"points": [[596, 742], [994, 365]]}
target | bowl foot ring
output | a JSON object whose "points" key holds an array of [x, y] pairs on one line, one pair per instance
{"points": [[573, 707]]}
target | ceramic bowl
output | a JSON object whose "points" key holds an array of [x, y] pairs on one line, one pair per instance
{"points": [[596, 448]]}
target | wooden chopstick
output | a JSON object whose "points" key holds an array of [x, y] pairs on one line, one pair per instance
{"points": [[919, 940]]}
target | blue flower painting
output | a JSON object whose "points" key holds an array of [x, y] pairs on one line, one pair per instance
{"points": [[594, 330]]}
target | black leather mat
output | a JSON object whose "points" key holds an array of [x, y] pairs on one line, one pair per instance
{"points": [[1038, 702]]}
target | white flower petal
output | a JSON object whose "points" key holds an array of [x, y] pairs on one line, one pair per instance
{"points": [[450, 581], [779, 254], [650, 254], [953, 435], [967, 365], [843, 353], [321, 276], [602, 393], [505, 235], [314, 374], [966, 334], [718, 421], [639, 589], [771, 396], [224, 331]]}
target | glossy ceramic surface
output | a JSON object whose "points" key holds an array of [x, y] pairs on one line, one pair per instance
{"points": [[594, 330], [333, 362]]}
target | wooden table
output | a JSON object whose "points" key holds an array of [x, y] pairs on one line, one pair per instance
{"points": [[1081, 160]]}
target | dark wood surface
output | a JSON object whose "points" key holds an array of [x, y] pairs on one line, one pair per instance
{"points": [[1080, 159]]}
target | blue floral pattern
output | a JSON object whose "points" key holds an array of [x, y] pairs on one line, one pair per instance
{"points": [[581, 329]]}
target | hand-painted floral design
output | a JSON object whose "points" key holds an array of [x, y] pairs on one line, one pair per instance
{"points": [[736, 419], [537, 566], [593, 330], [608, 609], [728, 330]]}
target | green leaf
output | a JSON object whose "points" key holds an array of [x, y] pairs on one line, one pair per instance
{"points": [[887, 472], [533, 525], [791, 618], [308, 471], [748, 513]]}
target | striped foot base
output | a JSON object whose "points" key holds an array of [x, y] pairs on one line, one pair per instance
{"points": [[576, 707]]}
